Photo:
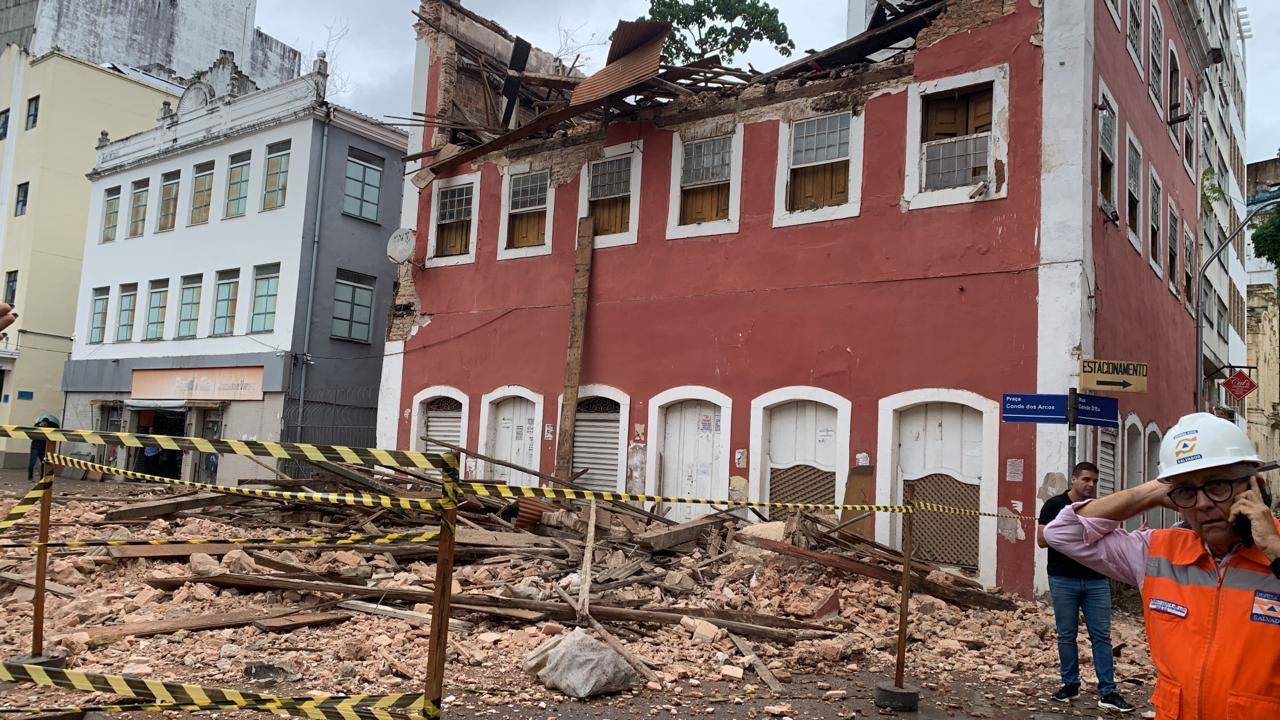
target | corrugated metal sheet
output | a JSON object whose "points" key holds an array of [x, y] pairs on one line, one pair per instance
{"points": [[631, 34], [595, 449], [625, 70], [444, 425]]}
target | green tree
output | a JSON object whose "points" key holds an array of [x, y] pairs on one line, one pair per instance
{"points": [[1266, 236], [706, 27]]}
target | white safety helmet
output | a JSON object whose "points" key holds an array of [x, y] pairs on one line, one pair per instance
{"points": [[1203, 440]]}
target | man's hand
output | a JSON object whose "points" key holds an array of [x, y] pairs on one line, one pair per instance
{"points": [[1249, 504]]}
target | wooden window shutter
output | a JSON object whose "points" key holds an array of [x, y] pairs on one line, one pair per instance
{"points": [[704, 203], [611, 215], [979, 112], [526, 229], [817, 186], [945, 118]]}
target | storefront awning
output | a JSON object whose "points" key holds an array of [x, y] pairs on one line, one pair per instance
{"points": [[155, 404]]}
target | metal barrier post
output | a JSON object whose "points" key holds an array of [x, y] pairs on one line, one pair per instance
{"points": [[438, 648], [900, 697]]}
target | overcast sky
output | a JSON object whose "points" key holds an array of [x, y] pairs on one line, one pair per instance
{"points": [[376, 55]]}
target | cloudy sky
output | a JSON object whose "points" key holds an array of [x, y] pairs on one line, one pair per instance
{"points": [[375, 56]]}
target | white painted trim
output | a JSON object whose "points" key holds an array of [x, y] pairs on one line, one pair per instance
{"points": [[657, 428], [889, 490], [498, 394], [1130, 420], [1174, 236], [782, 217], [1189, 99], [1104, 93], [415, 413], [436, 187], [624, 421], [635, 148], [757, 477], [1114, 11], [1136, 57], [506, 253], [916, 198], [1156, 263], [1136, 239], [1157, 100], [729, 225], [388, 429], [1175, 131]]}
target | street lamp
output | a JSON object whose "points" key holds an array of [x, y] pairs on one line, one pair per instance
{"points": [[1200, 296]]}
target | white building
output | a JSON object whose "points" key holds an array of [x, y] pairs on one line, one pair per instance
{"points": [[235, 283]]}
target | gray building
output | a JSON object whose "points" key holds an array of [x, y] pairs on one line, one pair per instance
{"points": [[182, 35], [236, 283]]}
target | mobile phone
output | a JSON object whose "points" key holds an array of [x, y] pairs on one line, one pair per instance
{"points": [[1241, 524]]}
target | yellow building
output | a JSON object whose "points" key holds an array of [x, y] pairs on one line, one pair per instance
{"points": [[53, 110]]}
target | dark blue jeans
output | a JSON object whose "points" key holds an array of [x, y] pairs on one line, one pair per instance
{"points": [[1071, 596]]}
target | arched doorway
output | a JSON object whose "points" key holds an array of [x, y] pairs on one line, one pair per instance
{"points": [[688, 453], [439, 412], [511, 418]]}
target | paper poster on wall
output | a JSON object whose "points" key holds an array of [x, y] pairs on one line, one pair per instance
{"points": [[1013, 469], [707, 424], [826, 435], [549, 432], [740, 458]]}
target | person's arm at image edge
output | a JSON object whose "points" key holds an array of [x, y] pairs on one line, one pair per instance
{"points": [[1090, 533]]}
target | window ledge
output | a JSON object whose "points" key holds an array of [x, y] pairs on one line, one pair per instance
{"points": [[1156, 268], [787, 218], [505, 253], [158, 232], [449, 260], [614, 240], [191, 224], [951, 196], [233, 217], [1137, 61], [278, 207], [361, 218], [1134, 240], [184, 337], [151, 340], [261, 332], [1115, 15], [221, 335], [357, 341], [727, 226]]}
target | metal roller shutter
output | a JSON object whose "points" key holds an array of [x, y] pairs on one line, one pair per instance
{"points": [[1108, 441], [443, 421], [595, 449]]}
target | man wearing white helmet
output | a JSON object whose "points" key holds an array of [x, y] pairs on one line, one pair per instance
{"points": [[1211, 590]]}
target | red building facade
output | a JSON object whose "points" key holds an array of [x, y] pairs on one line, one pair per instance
{"points": [[898, 245]]}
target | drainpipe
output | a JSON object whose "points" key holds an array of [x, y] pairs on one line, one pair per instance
{"points": [[311, 281], [1204, 269]]}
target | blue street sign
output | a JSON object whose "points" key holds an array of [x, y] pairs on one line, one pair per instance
{"points": [[1097, 410], [1035, 409]]}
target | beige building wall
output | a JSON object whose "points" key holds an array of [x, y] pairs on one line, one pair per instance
{"points": [[1264, 353], [78, 101]]}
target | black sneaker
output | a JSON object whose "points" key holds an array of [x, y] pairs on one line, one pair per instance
{"points": [[1112, 701], [1066, 692]]}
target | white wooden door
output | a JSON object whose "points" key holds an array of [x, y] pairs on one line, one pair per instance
{"points": [[690, 455], [513, 436]]}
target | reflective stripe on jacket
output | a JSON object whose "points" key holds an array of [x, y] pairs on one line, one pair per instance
{"points": [[1215, 638]]}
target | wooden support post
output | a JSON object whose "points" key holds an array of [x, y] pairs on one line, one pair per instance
{"points": [[588, 553], [438, 643], [904, 604], [42, 565], [577, 337]]}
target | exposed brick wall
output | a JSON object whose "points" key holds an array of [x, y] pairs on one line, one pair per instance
{"points": [[964, 15]]}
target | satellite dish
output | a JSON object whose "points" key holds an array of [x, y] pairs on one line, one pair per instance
{"points": [[400, 245]]}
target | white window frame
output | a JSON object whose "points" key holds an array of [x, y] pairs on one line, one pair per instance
{"points": [[635, 149], [444, 184], [1188, 97], [917, 198], [1190, 261], [1113, 8], [1156, 15], [1175, 131], [1104, 95], [729, 225], [504, 252], [490, 400], [1136, 55], [1158, 207], [782, 217], [1171, 213], [1135, 238]]}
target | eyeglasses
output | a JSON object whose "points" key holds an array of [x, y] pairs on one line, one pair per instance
{"points": [[1185, 496]]}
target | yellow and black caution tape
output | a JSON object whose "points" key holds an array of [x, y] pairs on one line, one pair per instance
{"points": [[446, 463], [386, 539], [28, 501], [515, 491], [286, 707], [356, 499], [173, 695], [935, 507]]}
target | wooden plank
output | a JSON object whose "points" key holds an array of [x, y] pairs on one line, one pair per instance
{"points": [[577, 339], [965, 597], [665, 538], [415, 618], [757, 664], [167, 551], [53, 587], [168, 506], [588, 554], [110, 633], [299, 620]]}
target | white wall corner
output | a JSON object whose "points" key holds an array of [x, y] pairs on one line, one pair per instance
{"points": [[389, 410]]}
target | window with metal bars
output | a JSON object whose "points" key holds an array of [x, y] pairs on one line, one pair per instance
{"points": [[1134, 184], [126, 311], [1172, 232], [201, 193], [1155, 70], [1188, 262], [819, 163], [704, 180], [1107, 151], [609, 195], [98, 315], [110, 214], [189, 306], [266, 286], [956, 149], [168, 201], [1156, 218], [527, 218], [1134, 31], [453, 220]]}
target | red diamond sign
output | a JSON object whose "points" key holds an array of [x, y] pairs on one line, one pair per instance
{"points": [[1239, 385]]}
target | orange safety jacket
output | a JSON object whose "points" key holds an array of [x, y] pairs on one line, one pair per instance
{"points": [[1215, 637]]}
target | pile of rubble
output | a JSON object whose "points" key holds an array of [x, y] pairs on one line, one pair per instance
{"points": [[546, 599]]}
